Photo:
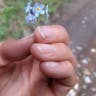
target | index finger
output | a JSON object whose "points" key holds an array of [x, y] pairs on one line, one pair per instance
{"points": [[51, 34]]}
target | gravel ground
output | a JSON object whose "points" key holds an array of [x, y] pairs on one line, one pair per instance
{"points": [[81, 24], [79, 17]]}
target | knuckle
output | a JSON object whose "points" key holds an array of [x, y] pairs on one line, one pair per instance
{"points": [[75, 81], [62, 29]]}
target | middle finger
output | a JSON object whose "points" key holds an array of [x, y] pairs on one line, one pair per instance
{"points": [[52, 52]]}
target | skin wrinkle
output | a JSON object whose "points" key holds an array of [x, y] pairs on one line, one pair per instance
{"points": [[7, 79], [29, 66], [15, 75]]}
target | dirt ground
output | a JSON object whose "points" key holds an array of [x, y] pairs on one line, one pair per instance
{"points": [[79, 17]]}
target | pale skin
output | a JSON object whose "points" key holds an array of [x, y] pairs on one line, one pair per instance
{"points": [[38, 65]]}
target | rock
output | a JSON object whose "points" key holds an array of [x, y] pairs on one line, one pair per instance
{"points": [[84, 86], [85, 61], [87, 72], [79, 48], [76, 87], [93, 89], [72, 93], [94, 74], [87, 80], [93, 50], [85, 18]]}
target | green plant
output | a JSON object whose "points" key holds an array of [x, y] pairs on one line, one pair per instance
{"points": [[12, 16]]}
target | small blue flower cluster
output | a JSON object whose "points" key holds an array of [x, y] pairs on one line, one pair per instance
{"points": [[33, 12]]}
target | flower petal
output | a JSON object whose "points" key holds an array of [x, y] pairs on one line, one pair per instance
{"points": [[30, 18], [41, 6], [36, 5], [42, 12], [27, 9], [34, 9]]}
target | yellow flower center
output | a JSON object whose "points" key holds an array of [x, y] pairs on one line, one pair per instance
{"points": [[38, 8]]}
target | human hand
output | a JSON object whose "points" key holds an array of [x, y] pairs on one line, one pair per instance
{"points": [[38, 65]]}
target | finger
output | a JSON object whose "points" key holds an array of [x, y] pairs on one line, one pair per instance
{"points": [[51, 34], [62, 71], [14, 50], [52, 52]]}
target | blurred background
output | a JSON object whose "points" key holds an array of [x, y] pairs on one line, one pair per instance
{"points": [[78, 17]]}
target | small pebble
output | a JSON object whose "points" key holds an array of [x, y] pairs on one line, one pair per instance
{"points": [[87, 80], [85, 61], [72, 93], [93, 89], [85, 18], [83, 22], [84, 86], [93, 50], [79, 48], [94, 74], [76, 87], [87, 72]]}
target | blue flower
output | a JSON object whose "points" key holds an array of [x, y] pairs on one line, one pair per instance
{"points": [[46, 11], [33, 12], [38, 9], [31, 18], [28, 7]]}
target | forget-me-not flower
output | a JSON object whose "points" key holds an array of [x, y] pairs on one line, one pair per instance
{"points": [[33, 12], [28, 7], [30, 18], [38, 9]]}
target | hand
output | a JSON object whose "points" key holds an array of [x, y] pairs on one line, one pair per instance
{"points": [[37, 65]]}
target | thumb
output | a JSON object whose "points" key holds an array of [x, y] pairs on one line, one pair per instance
{"points": [[14, 50]]}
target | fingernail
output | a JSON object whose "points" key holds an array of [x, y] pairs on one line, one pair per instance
{"points": [[51, 64], [45, 31], [44, 47]]}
